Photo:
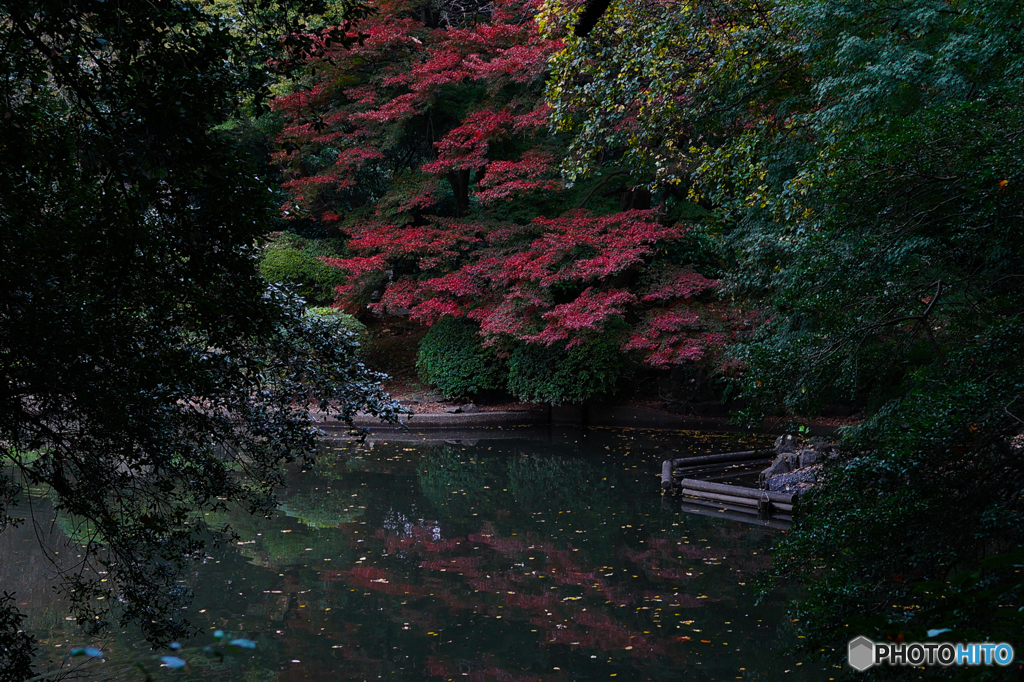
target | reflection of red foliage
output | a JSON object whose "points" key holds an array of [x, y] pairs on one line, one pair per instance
{"points": [[602, 634], [438, 667], [465, 566], [529, 581], [526, 595]]}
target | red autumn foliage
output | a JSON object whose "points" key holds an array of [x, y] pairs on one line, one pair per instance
{"points": [[427, 145]]}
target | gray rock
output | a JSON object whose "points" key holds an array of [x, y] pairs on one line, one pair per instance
{"points": [[809, 457], [785, 444], [794, 481], [469, 408], [781, 465]]}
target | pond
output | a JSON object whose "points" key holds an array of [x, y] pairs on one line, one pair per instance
{"points": [[505, 555]]}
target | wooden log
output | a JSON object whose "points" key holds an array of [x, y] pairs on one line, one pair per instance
{"points": [[736, 491], [666, 475], [690, 472], [750, 502], [720, 505], [778, 524], [726, 476], [721, 465], [723, 457], [669, 476]]}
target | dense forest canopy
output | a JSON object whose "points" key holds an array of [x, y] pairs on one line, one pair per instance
{"points": [[147, 372], [427, 145], [819, 201], [865, 160]]}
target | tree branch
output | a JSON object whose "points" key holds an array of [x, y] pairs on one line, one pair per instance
{"points": [[602, 183]]}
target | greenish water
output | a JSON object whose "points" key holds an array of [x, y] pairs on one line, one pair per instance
{"points": [[537, 556]]}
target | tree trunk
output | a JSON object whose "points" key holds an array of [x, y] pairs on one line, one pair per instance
{"points": [[459, 180]]}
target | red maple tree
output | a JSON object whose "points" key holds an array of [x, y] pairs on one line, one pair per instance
{"points": [[427, 145]]}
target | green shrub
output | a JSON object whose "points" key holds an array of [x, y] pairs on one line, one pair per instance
{"points": [[342, 322], [453, 359], [543, 374], [294, 260]]}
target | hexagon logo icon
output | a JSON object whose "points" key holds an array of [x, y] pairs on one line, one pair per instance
{"points": [[861, 653]]}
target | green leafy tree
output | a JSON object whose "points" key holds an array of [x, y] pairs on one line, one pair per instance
{"points": [[547, 375], [898, 279], [140, 351], [863, 160]]}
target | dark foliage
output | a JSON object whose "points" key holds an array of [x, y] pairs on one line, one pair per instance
{"points": [[548, 374], [863, 161], [16, 646], [141, 355], [453, 359]]}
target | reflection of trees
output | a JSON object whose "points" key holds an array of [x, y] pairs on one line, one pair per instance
{"points": [[524, 562], [276, 541], [320, 510], [543, 482], [569, 555], [495, 583], [456, 481], [504, 600]]}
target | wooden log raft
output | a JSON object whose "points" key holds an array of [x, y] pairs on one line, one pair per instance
{"points": [[669, 474], [763, 503], [742, 517]]}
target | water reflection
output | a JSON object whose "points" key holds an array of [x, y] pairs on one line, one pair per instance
{"points": [[509, 560]]}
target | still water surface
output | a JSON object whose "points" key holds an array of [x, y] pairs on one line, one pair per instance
{"points": [[509, 557]]}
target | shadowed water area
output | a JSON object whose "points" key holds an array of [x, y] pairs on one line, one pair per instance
{"points": [[511, 556]]}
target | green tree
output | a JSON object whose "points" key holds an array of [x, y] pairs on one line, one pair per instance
{"points": [[452, 357], [296, 261], [892, 261], [864, 161], [140, 351]]}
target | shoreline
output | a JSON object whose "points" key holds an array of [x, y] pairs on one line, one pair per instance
{"points": [[582, 416]]}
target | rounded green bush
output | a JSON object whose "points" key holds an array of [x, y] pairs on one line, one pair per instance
{"points": [[544, 374], [453, 359], [294, 260], [343, 322]]}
